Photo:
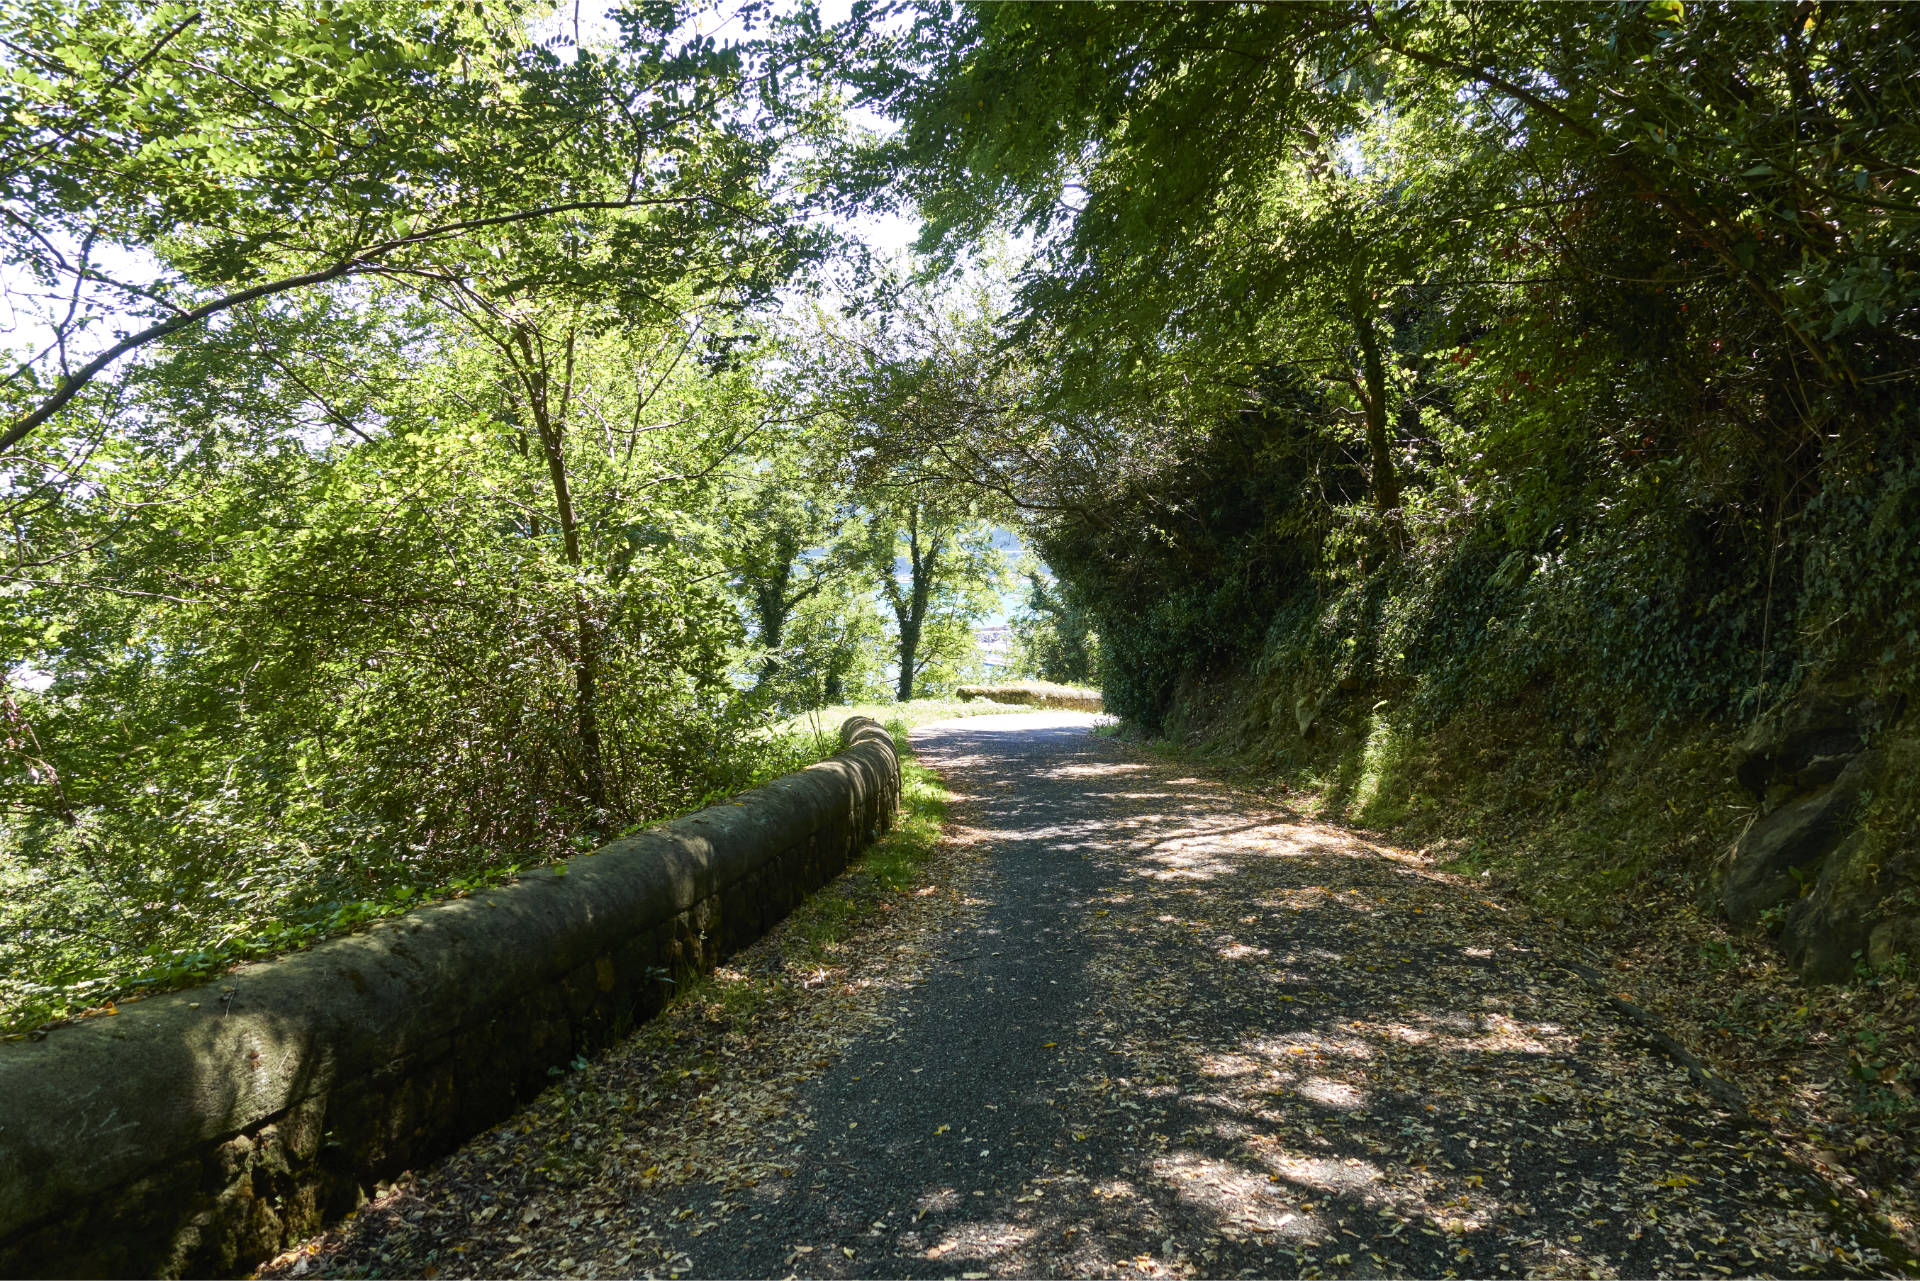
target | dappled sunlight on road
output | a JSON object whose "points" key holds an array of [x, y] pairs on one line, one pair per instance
{"points": [[1103, 769], [1166, 1030], [1306, 1052]]}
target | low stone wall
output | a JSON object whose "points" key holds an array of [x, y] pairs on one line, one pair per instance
{"points": [[1072, 698], [198, 1132]]}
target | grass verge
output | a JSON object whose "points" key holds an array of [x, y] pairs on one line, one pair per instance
{"points": [[1077, 698], [32, 999], [710, 1093]]}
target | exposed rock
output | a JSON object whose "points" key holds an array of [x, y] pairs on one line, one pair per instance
{"points": [[1808, 742], [1890, 939], [1846, 916], [1826, 928], [1778, 853], [1311, 694], [1306, 710], [1811, 763]]}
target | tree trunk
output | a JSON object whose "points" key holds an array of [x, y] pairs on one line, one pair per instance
{"points": [[913, 621], [1386, 485], [550, 424], [909, 646], [910, 610], [770, 603], [773, 606]]}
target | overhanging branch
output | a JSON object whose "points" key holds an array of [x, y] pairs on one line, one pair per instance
{"points": [[365, 260]]}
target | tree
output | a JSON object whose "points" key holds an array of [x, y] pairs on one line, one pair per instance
{"points": [[361, 495], [788, 538], [837, 645], [908, 399], [1628, 287], [937, 569], [1054, 636], [275, 673], [166, 164], [588, 408]]}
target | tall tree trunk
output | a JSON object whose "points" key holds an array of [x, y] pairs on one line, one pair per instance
{"points": [[909, 646], [911, 613], [773, 620], [773, 606], [1386, 485], [550, 424]]}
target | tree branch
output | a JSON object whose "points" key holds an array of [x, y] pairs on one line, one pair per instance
{"points": [[364, 260]]}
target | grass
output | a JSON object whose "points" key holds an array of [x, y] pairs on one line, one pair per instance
{"points": [[822, 727], [704, 1094], [1077, 698]]}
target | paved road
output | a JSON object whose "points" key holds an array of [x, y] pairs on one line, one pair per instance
{"points": [[1176, 1033]]}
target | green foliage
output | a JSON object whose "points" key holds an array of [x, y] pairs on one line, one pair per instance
{"points": [[1569, 355], [837, 647], [266, 679], [1053, 635], [1212, 546], [901, 398], [1860, 564], [167, 163], [796, 549], [937, 571]]}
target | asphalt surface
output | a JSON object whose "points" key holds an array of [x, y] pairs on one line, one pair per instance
{"points": [[1179, 1032]]}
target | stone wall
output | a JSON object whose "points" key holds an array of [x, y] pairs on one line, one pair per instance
{"points": [[198, 1132]]}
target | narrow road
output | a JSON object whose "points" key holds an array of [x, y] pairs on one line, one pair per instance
{"points": [[1164, 1032]]}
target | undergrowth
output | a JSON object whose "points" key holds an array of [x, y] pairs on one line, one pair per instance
{"points": [[47, 977]]}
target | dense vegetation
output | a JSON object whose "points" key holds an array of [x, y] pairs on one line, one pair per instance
{"points": [[1593, 323], [1492, 423], [405, 476], [438, 439]]}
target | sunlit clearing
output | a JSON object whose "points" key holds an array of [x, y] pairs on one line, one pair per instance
{"points": [[1324, 1174], [1492, 1033], [1103, 769]]}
